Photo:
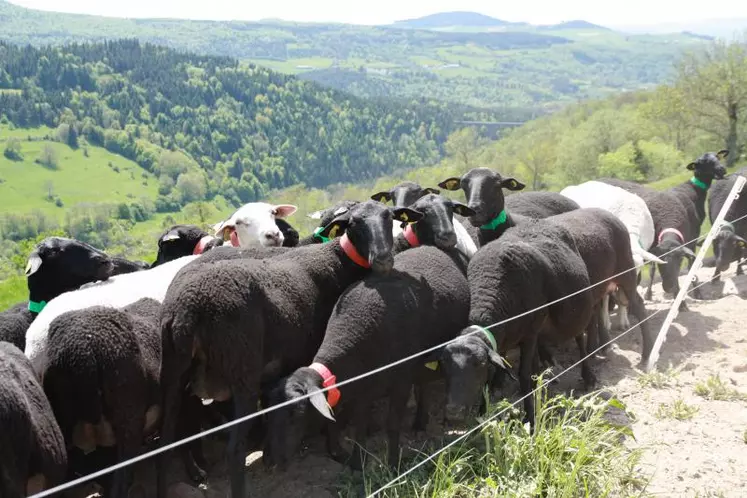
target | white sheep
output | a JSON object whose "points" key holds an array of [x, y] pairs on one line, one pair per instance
{"points": [[252, 222], [634, 214]]}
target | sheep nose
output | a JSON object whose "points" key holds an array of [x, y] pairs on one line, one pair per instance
{"points": [[446, 240]]}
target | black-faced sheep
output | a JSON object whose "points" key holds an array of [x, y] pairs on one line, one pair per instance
{"points": [[494, 213], [423, 302], [729, 243], [184, 240], [264, 320], [32, 450], [530, 266], [678, 214]]}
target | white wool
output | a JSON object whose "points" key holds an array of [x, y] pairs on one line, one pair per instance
{"points": [[628, 207], [118, 292]]}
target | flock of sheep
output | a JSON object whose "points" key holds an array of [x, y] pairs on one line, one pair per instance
{"points": [[108, 354]]}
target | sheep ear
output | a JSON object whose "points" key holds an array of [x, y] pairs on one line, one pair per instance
{"points": [[687, 252], [33, 264], [171, 235], [691, 166], [452, 183], [499, 362], [319, 401], [382, 197], [512, 184], [407, 215], [335, 228], [463, 210], [284, 210], [316, 215], [722, 154], [430, 190], [741, 242]]}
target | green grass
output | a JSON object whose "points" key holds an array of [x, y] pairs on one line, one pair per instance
{"points": [[676, 410], [78, 178], [12, 291], [713, 388], [574, 451], [658, 379]]}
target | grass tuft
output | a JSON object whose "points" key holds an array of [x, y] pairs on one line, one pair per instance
{"points": [[658, 379], [677, 410], [716, 389], [574, 451]]}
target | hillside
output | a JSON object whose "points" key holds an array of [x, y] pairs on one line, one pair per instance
{"points": [[518, 70], [457, 18]]}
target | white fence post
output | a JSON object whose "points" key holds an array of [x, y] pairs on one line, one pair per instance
{"points": [[674, 310]]}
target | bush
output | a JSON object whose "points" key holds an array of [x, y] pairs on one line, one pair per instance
{"points": [[48, 157], [13, 150]]}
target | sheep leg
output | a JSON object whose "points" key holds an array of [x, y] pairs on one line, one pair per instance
{"points": [[172, 398], [362, 417], [421, 407], [527, 355], [189, 424], [586, 371], [592, 330], [334, 447], [740, 271], [398, 395], [244, 403], [649, 292], [129, 434]]}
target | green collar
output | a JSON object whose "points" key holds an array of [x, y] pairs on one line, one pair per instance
{"points": [[495, 222], [35, 307], [318, 235], [489, 335], [698, 183]]}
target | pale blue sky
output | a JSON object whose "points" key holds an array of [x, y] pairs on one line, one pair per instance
{"points": [[625, 12]]}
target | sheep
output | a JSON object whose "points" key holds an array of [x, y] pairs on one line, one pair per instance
{"points": [[529, 266], [102, 379], [729, 243], [265, 320], [634, 213], [379, 320], [254, 222], [603, 241], [122, 290], [678, 214], [56, 265], [183, 240], [483, 189], [32, 450], [406, 193]]}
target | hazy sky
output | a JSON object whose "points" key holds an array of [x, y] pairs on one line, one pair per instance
{"points": [[626, 12]]}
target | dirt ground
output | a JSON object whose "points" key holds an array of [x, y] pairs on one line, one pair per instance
{"points": [[703, 455]]}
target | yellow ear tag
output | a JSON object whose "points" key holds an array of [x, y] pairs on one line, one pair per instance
{"points": [[333, 233], [514, 184], [452, 184], [433, 365], [382, 199], [403, 217]]}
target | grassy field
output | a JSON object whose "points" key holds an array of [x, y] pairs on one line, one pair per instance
{"points": [[83, 175]]}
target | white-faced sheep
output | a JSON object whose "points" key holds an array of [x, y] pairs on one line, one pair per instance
{"points": [[495, 213], [529, 266], [121, 290], [254, 222], [32, 450], [266, 319], [678, 214]]}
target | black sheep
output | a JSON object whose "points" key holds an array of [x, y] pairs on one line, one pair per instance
{"points": [[264, 320], [603, 241], [678, 214], [32, 450], [102, 380], [423, 302], [531, 265], [729, 243], [56, 265], [403, 194], [495, 213], [184, 240]]}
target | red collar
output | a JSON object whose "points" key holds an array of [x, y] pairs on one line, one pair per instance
{"points": [[671, 230], [333, 395], [200, 247], [410, 236], [352, 252]]}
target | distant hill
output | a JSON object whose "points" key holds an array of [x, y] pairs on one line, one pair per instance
{"points": [[516, 70], [458, 18], [726, 28], [577, 24]]}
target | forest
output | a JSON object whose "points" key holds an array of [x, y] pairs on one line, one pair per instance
{"points": [[521, 71]]}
